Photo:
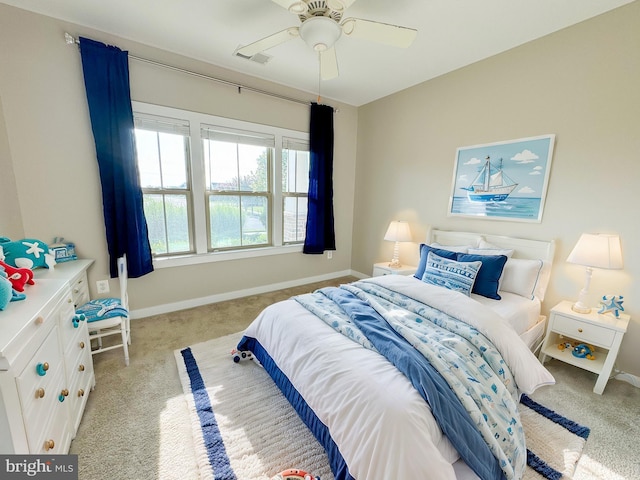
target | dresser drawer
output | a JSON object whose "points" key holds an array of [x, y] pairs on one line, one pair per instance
{"points": [[80, 289], [36, 384], [53, 435], [585, 331]]}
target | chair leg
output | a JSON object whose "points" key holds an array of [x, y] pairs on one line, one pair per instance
{"points": [[129, 330], [125, 345], [99, 340]]}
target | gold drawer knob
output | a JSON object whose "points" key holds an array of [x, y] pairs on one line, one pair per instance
{"points": [[81, 368], [39, 320], [81, 393], [81, 344], [64, 392], [580, 330], [49, 444], [69, 300], [40, 393]]}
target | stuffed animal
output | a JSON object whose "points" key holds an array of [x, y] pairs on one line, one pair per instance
{"points": [[294, 474], [26, 253], [18, 277], [584, 351], [564, 345], [613, 304], [7, 292]]}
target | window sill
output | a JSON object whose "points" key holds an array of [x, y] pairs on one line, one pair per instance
{"points": [[195, 259]]}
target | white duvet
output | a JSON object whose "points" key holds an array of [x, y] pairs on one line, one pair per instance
{"points": [[381, 425]]}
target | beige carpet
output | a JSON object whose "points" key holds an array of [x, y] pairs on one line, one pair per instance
{"points": [[263, 434], [136, 425]]}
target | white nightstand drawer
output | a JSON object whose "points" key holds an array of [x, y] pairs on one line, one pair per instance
{"points": [[585, 331]]}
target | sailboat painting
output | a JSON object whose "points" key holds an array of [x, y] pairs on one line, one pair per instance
{"points": [[503, 180]]}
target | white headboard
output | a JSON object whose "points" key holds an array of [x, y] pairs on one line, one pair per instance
{"points": [[523, 248]]}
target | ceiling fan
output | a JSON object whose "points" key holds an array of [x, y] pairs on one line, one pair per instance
{"points": [[322, 26]]}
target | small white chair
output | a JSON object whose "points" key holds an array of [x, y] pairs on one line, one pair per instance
{"points": [[110, 316]]}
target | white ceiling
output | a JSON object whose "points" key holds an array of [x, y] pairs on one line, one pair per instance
{"points": [[451, 34]]}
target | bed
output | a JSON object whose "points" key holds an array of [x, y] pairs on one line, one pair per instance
{"points": [[407, 377]]}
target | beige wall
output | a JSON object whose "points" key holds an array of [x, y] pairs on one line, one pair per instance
{"points": [[53, 156], [582, 84], [10, 220]]}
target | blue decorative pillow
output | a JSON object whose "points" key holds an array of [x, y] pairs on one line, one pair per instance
{"points": [[488, 279], [26, 253], [450, 274], [101, 309], [424, 251]]}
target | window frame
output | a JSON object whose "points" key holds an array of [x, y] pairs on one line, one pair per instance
{"points": [[199, 195]]}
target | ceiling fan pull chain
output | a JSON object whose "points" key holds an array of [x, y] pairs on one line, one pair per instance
{"points": [[319, 77]]}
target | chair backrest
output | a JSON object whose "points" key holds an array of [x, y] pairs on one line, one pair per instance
{"points": [[122, 279]]}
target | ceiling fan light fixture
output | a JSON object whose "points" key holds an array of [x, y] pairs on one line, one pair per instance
{"points": [[320, 33]]}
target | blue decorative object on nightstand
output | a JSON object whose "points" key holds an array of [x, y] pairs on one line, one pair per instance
{"points": [[613, 304]]}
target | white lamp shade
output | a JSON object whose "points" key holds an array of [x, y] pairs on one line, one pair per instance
{"points": [[598, 251], [398, 232]]}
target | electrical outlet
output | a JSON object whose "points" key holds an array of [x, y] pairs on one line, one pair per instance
{"points": [[103, 286], [329, 254]]}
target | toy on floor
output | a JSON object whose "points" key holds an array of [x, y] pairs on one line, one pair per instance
{"points": [[584, 351], [294, 474], [613, 304], [241, 355]]}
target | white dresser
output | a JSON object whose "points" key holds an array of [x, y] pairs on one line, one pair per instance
{"points": [[46, 370]]}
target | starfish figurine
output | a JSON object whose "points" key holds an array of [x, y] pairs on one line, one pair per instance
{"points": [[611, 303], [34, 248]]}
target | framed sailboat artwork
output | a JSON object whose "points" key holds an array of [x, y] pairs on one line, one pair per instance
{"points": [[503, 180]]}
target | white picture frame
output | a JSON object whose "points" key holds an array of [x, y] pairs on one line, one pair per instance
{"points": [[505, 180]]}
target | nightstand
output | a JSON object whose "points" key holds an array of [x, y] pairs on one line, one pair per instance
{"points": [[604, 332], [383, 268]]}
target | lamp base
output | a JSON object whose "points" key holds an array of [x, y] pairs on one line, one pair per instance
{"points": [[580, 308], [395, 263]]}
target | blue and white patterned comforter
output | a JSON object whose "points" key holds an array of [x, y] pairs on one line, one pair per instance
{"points": [[379, 423]]}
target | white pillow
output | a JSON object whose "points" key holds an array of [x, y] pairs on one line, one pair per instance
{"points": [[486, 248], [524, 277], [491, 251], [452, 248]]}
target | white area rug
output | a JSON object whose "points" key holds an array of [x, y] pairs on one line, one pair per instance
{"points": [[251, 432]]}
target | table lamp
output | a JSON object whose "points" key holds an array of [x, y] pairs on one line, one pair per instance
{"points": [[397, 232], [594, 250]]}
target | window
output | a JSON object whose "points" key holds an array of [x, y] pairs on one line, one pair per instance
{"points": [[163, 162], [216, 185], [295, 189]]}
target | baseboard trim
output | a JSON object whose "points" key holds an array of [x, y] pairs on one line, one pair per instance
{"points": [[198, 302]]}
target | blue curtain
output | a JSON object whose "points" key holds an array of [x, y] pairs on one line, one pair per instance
{"points": [[106, 79], [320, 234]]}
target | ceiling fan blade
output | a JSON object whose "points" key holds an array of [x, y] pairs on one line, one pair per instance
{"points": [[297, 7], [338, 5], [328, 64], [269, 42], [379, 32]]}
